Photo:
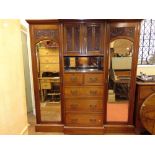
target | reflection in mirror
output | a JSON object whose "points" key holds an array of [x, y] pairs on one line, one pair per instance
{"points": [[120, 60], [47, 53]]}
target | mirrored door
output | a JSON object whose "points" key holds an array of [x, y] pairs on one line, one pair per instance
{"points": [[48, 70], [120, 61]]}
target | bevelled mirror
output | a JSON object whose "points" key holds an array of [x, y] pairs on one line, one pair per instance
{"points": [[48, 69], [120, 61]]}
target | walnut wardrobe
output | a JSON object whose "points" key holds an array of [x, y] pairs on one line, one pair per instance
{"points": [[84, 74]]}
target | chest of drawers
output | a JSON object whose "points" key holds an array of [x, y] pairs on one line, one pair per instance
{"points": [[83, 99], [143, 91]]}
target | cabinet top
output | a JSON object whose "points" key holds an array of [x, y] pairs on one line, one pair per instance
{"points": [[144, 83], [49, 21]]}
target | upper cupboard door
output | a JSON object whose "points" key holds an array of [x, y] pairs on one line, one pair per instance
{"points": [[72, 39], [94, 39]]}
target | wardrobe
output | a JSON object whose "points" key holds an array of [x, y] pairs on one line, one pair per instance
{"points": [[84, 74]]}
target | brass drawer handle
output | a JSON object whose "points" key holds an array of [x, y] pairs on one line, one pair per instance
{"points": [[93, 79], [73, 79], [93, 92], [92, 107], [74, 92], [75, 120]]}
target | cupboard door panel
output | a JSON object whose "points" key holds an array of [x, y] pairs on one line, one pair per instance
{"points": [[94, 38], [72, 38]]}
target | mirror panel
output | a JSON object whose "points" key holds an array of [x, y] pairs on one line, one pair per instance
{"points": [[48, 68], [120, 61]]}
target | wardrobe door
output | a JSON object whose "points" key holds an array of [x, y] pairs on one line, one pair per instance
{"points": [[46, 72], [122, 55]]}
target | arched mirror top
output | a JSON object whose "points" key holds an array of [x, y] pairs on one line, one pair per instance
{"points": [[47, 44], [121, 47]]}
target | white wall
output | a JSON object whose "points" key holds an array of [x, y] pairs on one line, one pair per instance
{"points": [[147, 69], [13, 113]]}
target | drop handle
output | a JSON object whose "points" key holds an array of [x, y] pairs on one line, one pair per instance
{"points": [[73, 79], [93, 92], [92, 79], [92, 107], [74, 92]]}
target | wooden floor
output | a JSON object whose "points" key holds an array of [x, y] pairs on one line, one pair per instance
{"points": [[51, 112], [31, 128]]}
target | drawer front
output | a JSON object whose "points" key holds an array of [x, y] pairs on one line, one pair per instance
{"points": [[45, 85], [73, 79], [50, 59], [93, 91], [85, 91], [73, 119], [48, 52], [145, 91], [72, 91], [93, 79], [49, 67], [84, 105]]}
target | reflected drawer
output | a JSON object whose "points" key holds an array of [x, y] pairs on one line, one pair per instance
{"points": [[75, 119], [51, 59], [145, 91], [45, 85], [93, 79], [73, 79], [49, 67], [48, 51], [92, 105]]}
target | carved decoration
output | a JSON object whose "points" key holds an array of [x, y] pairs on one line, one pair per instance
{"points": [[122, 31], [50, 34]]}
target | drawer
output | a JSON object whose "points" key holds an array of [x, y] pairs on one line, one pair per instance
{"points": [[94, 91], [72, 91], [45, 85], [50, 59], [48, 52], [75, 119], [92, 105], [93, 79], [45, 80], [49, 67], [73, 79], [145, 91], [83, 91]]}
